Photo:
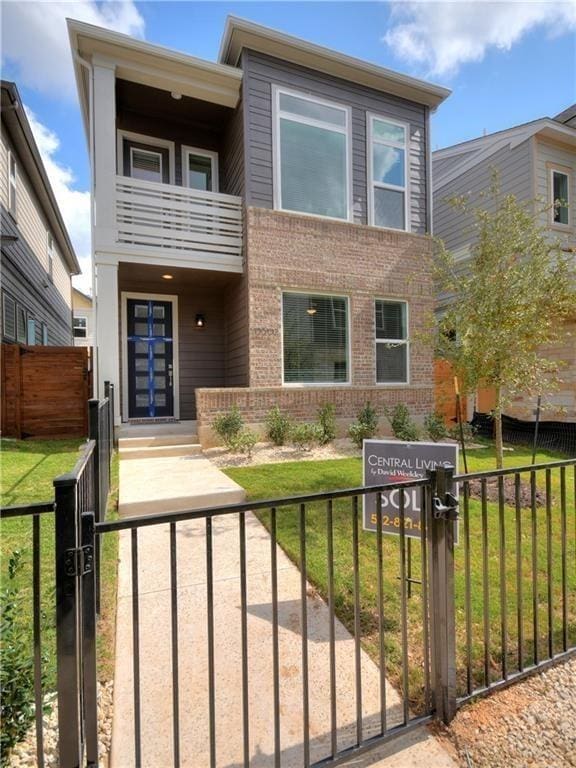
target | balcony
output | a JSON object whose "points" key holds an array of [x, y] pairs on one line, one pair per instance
{"points": [[202, 229]]}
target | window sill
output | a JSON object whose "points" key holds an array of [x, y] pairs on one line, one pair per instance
{"points": [[316, 385]]}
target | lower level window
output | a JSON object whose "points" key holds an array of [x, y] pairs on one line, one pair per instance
{"points": [[392, 345], [315, 329], [79, 327]]}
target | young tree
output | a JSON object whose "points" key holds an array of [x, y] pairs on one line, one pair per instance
{"points": [[505, 302]]}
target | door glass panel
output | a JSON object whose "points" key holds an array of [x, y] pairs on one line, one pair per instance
{"points": [[158, 312], [141, 329], [141, 310], [141, 348], [159, 348], [141, 364], [141, 401], [200, 172], [145, 165], [158, 329], [159, 364], [160, 382], [160, 398], [141, 382]]}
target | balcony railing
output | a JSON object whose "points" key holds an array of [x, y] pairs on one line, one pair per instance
{"points": [[179, 222]]}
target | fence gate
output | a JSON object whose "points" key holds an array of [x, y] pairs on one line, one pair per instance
{"points": [[281, 631]]}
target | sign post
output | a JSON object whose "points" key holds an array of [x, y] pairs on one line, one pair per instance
{"points": [[390, 461]]}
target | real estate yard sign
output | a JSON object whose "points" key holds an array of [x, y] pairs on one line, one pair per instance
{"points": [[389, 461]]}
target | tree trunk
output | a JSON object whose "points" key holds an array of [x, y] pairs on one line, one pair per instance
{"points": [[498, 430]]}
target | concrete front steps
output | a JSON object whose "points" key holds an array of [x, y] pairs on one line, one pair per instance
{"points": [[152, 441]]}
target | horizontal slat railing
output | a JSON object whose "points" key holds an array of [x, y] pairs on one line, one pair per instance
{"points": [[169, 218]]}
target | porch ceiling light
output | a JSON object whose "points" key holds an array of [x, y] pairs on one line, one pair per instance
{"points": [[200, 321], [168, 277], [176, 95], [311, 308]]}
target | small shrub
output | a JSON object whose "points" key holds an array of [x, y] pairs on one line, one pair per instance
{"points": [[228, 425], [402, 425], [327, 423], [278, 426], [467, 429], [435, 427], [365, 426], [16, 665], [304, 436], [244, 442]]}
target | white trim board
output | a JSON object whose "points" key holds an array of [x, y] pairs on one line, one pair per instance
{"points": [[124, 346], [152, 141], [213, 156], [370, 117]]}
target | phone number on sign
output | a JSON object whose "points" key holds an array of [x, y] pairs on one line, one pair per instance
{"points": [[394, 522]]}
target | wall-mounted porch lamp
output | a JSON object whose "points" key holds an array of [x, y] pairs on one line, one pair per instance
{"points": [[200, 321]]}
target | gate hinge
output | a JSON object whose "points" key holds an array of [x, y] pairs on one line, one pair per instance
{"points": [[78, 562], [447, 509]]}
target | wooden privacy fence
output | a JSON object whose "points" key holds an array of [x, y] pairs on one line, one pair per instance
{"points": [[45, 391]]}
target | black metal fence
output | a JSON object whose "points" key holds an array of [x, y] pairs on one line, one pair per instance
{"points": [[78, 495]]}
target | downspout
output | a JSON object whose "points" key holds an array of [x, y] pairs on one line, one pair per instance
{"points": [[91, 149]]}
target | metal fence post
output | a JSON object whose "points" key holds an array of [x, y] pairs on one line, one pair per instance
{"points": [[109, 393], [89, 673], [94, 434], [441, 521], [67, 608]]}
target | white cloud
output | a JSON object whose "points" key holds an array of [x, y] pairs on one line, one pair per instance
{"points": [[74, 204], [35, 38], [441, 36]]}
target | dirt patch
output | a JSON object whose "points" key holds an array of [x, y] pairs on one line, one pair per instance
{"points": [[492, 492], [265, 453]]}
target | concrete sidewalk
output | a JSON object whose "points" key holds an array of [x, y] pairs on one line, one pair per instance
{"points": [[156, 693]]}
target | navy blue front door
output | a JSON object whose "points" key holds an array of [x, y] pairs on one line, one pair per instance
{"points": [[150, 359]]}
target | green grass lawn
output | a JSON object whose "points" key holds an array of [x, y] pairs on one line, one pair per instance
{"points": [[28, 469], [293, 478]]}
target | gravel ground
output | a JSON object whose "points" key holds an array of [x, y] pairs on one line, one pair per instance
{"points": [[532, 723], [24, 754], [266, 453]]}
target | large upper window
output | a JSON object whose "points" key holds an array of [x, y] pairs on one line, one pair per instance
{"points": [[315, 329], [311, 163], [560, 197], [392, 359], [387, 163]]}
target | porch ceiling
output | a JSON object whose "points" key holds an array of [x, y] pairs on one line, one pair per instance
{"points": [[140, 277]]}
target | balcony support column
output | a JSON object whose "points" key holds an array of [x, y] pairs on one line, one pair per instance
{"points": [[107, 330], [104, 162]]}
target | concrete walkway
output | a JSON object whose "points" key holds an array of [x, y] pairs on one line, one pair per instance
{"points": [[156, 693]]}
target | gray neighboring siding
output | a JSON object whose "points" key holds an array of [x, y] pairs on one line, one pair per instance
{"points": [[446, 164], [232, 165], [516, 177], [25, 279], [261, 72]]}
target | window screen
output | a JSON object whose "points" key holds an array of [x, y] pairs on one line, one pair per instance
{"points": [[391, 342], [8, 317], [560, 197], [315, 332], [313, 148]]}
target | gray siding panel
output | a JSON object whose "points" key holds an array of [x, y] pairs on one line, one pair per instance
{"points": [[516, 174], [261, 72], [25, 279], [232, 165]]}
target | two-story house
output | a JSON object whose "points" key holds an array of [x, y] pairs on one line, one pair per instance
{"points": [[37, 259], [260, 226], [82, 319], [535, 161]]}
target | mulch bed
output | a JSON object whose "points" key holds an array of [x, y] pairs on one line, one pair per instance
{"points": [[509, 492]]}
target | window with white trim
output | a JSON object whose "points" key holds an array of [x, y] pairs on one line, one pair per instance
{"points": [[21, 325], [145, 164], [51, 254], [312, 156], [560, 197], [8, 317], [12, 180], [315, 339], [44, 328], [392, 343], [79, 326], [388, 183], [31, 330], [200, 169]]}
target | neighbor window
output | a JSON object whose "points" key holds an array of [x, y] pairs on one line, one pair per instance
{"points": [[50, 256], [392, 346], [44, 329], [21, 330], [387, 161], [8, 317], [560, 197], [200, 169], [311, 156], [31, 328], [315, 336], [145, 164], [79, 325], [12, 174]]}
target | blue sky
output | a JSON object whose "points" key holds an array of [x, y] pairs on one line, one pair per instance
{"points": [[506, 63]]}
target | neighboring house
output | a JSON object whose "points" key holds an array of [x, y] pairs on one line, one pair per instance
{"points": [[536, 161], [82, 319], [37, 261], [260, 226]]}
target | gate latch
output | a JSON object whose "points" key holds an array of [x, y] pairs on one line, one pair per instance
{"points": [[446, 510], [79, 562]]}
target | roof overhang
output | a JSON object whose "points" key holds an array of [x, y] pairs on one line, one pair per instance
{"points": [[240, 34], [16, 124], [148, 64]]}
